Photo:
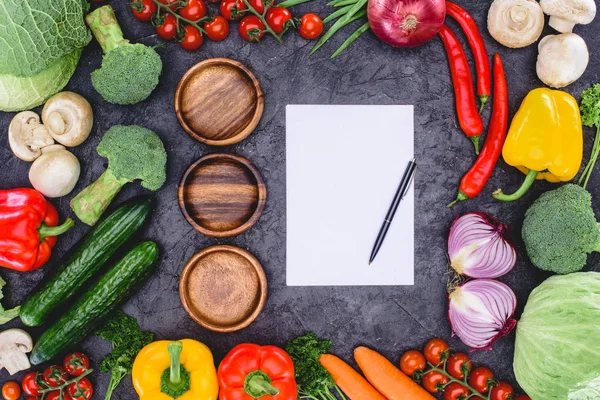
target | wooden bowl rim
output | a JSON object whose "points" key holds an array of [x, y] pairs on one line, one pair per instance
{"points": [[258, 111], [262, 284], [260, 204]]}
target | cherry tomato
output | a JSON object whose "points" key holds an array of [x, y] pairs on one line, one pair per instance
{"points": [[227, 5], [258, 5], [55, 395], [143, 10], [55, 375], [217, 29], [167, 2], [168, 29], [30, 384], [311, 26], [76, 363], [277, 18], [434, 349], [11, 391], [192, 39], [502, 391], [194, 11], [455, 364], [479, 379], [432, 380], [412, 361], [454, 391], [522, 397], [32, 398], [251, 28], [81, 390]]}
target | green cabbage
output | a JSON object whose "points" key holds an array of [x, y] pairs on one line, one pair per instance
{"points": [[24, 93], [557, 349]]}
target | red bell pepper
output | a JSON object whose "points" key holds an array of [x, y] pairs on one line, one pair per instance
{"points": [[251, 371], [27, 229]]}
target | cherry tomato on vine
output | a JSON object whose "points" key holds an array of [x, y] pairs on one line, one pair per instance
{"points": [[81, 390], [226, 8], [143, 10], [194, 11], [455, 391], [76, 363], [217, 29], [311, 26], [251, 28], [522, 397], [277, 18], [432, 380], [55, 395], [412, 361], [258, 5], [11, 391], [168, 29], [502, 391], [479, 379], [167, 2], [193, 38], [55, 375], [434, 349], [32, 398], [30, 384], [455, 364]]}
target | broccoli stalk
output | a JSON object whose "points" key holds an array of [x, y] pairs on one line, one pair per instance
{"points": [[129, 72], [133, 153]]}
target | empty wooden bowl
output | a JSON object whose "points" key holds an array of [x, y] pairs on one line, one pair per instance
{"points": [[222, 195], [223, 288], [219, 101]]}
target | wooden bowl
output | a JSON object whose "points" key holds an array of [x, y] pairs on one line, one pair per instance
{"points": [[223, 288], [219, 102], [222, 195]]}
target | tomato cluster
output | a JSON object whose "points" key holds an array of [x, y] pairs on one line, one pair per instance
{"points": [[188, 21], [441, 370]]}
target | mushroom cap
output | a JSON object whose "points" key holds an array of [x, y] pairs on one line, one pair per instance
{"points": [[56, 172], [564, 14], [17, 337], [69, 118], [562, 59], [515, 23], [27, 136]]}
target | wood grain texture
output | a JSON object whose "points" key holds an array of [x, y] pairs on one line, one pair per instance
{"points": [[223, 288], [222, 195], [219, 102]]}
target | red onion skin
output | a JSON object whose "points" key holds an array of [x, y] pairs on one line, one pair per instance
{"points": [[406, 23]]}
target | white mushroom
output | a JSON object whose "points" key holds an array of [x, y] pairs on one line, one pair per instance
{"points": [[69, 118], [515, 23], [26, 136], [56, 172], [564, 14], [562, 59], [14, 346]]}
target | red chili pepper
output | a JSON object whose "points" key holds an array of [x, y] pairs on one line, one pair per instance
{"points": [[480, 172], [251, 371], [27, 229], [482, 60], [466, 107]]}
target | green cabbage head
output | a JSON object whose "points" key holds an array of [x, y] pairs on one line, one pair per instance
{"points": [[557, 349]]}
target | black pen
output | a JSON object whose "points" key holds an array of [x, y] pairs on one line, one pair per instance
{"points": [[400, 193]]}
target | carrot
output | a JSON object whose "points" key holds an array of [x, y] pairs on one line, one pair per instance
{"points": [[388, 379], [351, 382]]}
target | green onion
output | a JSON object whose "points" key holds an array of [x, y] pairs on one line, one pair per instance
{"points": [[336, 14], [339, 23], [362, 29]]}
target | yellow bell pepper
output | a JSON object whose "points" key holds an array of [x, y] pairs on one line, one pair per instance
{"points": [[183, 370], [545, 140]]}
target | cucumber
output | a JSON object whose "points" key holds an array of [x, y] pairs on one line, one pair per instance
{"points": [[79, 266], [86, 314]]}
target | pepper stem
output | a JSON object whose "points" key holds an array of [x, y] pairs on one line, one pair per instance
{"points": [[529, 179], [475, 140], [174, 349], [48, 231], [460, 197], [258, 384]]}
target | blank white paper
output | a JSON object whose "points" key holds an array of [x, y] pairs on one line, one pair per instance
{"points": [[344, 165]]}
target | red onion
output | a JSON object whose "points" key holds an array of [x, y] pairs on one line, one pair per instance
{"points": [[480, 312], [478, 247], [406, 23]]}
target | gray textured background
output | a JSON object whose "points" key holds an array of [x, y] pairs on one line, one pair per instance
{"points": [[389, 319]]}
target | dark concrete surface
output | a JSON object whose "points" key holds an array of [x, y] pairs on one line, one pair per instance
{"points": [[389, 319]]}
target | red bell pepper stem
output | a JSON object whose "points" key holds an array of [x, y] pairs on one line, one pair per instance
{"points": [[258, 384], [49, 231]]}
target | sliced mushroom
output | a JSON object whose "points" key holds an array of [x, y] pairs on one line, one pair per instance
{"points": [[564, 14], [56, 172], [69, 118], [515, 23], [14, 346], [562, 59], [27, 136]]}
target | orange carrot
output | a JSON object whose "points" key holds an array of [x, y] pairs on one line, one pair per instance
{"points": [[351, 382], [388, 379]]}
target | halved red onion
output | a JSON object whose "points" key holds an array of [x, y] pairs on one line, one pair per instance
{"points": [[478, 247], [480, 312]]}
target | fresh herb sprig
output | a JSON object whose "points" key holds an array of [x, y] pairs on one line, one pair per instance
{"points": [[590, 110]]}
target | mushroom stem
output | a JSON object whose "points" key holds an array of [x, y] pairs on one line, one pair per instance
{"points": [[560, 24]]}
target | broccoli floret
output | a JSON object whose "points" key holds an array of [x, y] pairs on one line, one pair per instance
{"points": [[129, 72], [560, 230], [133, 153]]}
